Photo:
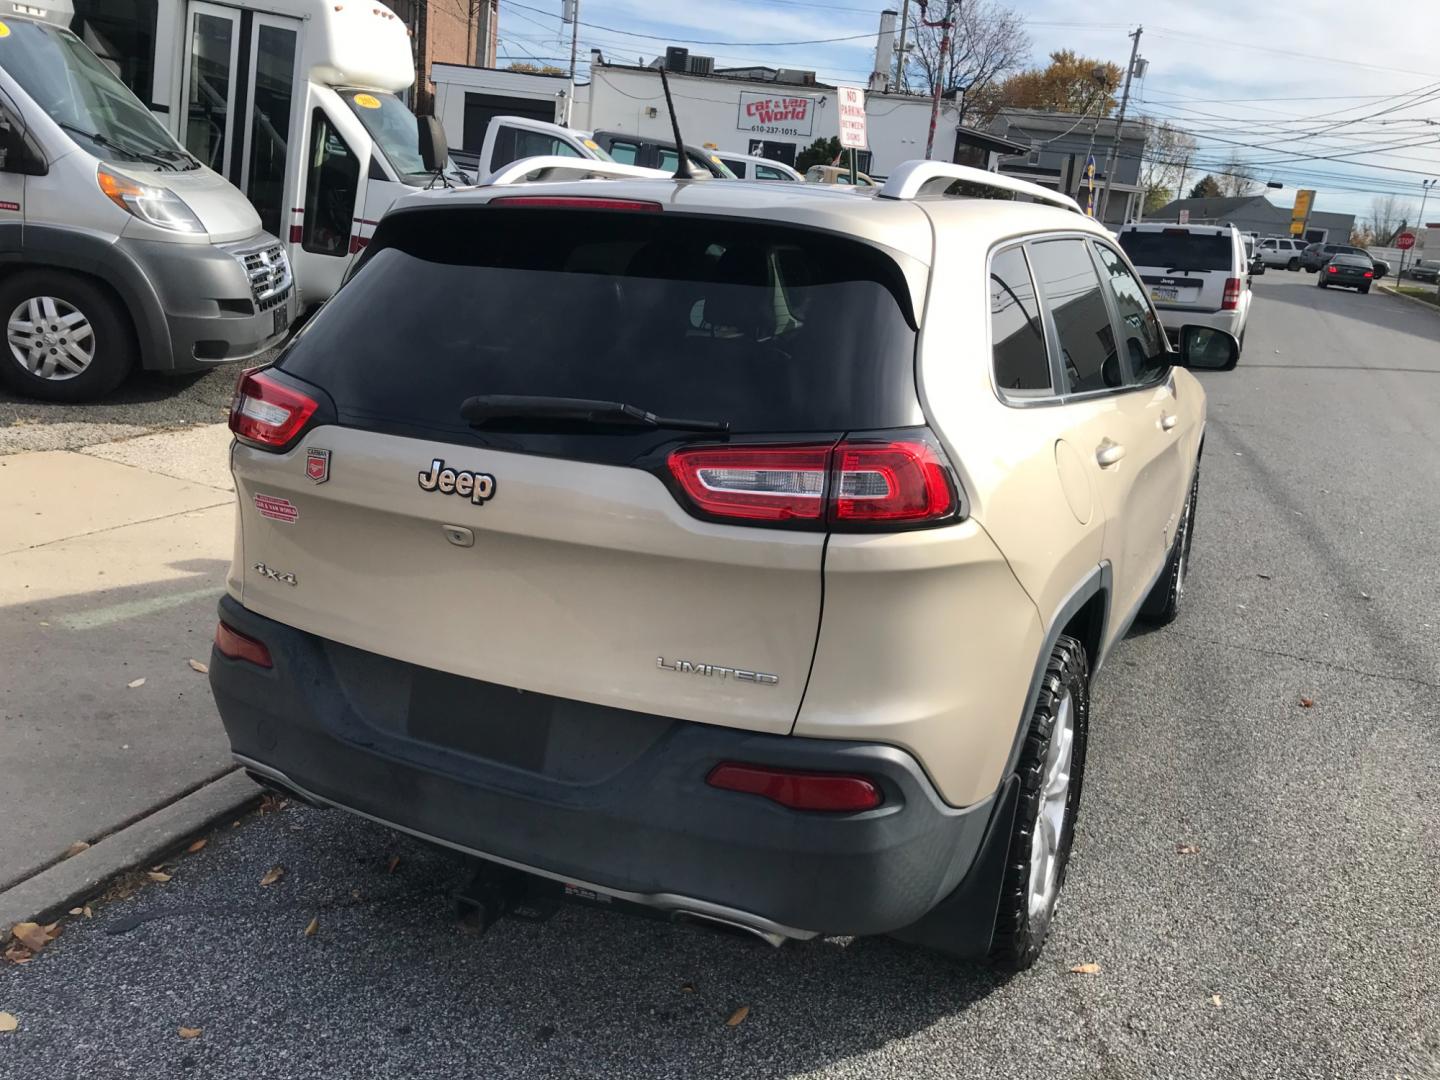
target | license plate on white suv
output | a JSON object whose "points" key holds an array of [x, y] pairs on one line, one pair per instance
{"points": [[1165, 292]]}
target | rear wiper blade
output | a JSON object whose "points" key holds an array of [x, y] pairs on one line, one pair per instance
{"points": [[483, 408]]}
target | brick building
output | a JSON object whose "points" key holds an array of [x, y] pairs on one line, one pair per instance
{"points": [[447, 32]]}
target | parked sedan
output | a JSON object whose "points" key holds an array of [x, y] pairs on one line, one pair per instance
{"points": [[1352, 271], [1425, 270]]}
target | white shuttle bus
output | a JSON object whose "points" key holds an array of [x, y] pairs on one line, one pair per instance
{"points": [[296, 102]]}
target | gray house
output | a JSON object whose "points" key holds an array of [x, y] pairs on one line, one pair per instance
{"points": [[1060, 143], [1257, 214]]}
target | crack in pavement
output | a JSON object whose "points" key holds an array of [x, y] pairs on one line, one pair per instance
{"points": [[1262, 650]]}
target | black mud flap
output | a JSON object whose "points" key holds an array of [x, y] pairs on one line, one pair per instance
{"points": [[963, 924]]}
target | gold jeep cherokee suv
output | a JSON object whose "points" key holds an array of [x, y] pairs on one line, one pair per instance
{"points": [[741, 550]]}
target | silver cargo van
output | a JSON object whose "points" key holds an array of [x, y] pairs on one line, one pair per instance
{"points": [[117, 247]]}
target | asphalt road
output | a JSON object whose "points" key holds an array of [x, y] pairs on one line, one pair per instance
{"points": [[1309, 906]]}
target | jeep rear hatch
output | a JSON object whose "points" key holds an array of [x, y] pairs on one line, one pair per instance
{"points": [[669, 565]]}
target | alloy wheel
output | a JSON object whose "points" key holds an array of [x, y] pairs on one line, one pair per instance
{"points": [[1045, 858], [50, 338]]}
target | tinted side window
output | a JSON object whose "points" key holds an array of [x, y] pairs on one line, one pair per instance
{"points": [[1082, 320], [624, 152], [1017, 333], [1140, 332], [330, 189], [738, 168]]}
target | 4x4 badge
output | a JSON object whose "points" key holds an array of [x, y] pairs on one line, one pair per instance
{"points": [[317, 464], [477, 486]]}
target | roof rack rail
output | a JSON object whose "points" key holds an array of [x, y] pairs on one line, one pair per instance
{"points": [[568, 168], [910, 179]]}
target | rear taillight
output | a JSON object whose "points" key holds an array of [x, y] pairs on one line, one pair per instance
{"points": [[754, 483], [267, 414], [1369, 273], [890, 481], [856, 482], [833, 792], [237, 646], [1332, 269], [1231, 299]]}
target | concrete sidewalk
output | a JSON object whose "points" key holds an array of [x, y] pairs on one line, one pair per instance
{"points": [[111, 560]]}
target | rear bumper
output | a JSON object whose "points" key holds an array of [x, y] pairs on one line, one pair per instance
{"points": [[608, 800], [1172, 319]]}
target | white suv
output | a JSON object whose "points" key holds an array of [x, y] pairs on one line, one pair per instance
{"points": [[1196, 274], [1281, 251], [744, 551]]}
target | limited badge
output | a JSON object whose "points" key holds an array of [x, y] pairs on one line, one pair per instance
{"points": [[317, 464]]}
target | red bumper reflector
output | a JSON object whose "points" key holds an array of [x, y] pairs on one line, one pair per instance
{"points": [[237, 646], [834, 792]]}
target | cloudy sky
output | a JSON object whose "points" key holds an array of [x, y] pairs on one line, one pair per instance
{"points": [[1341, 97]]}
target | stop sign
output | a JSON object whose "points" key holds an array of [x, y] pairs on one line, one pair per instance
{"points": [[1405, 241]]}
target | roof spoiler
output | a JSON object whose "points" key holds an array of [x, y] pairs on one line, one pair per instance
{"points": [[910, 180]]}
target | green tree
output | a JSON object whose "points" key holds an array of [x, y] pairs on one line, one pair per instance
{"points": [[1069, 83], [820, 152], [1207, 188], [1156, 197]]}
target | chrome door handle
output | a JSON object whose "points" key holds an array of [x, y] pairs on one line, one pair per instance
{"points": [[1109, 453], [1168, 421]]}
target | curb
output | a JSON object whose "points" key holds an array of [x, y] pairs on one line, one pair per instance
{"points": [[79, 878], [1412, 299]]}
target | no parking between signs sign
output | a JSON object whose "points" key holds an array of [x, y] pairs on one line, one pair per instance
{"points": [[852, 117]]}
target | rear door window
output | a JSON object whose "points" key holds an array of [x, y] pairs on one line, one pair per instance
{"points": [[1174, 250], [1072, 292], [626, 153], [769, 328], [1140, 333], [1017, 331]]}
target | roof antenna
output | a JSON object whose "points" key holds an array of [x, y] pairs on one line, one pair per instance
{"points": [[682, 159]]}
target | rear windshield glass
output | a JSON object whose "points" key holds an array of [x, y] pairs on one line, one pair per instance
{"points": [[1177, 250], [769, 328]]}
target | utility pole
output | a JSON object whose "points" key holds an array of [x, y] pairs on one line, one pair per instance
{"points": [[900, 61], [574, 6], [945, 26], [1180, 187], [1425, 186], [1120, 123]]}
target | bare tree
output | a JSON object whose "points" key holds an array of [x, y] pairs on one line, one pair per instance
{"points": [[1168, 152], [1236, 180], [987, 44], [1387, 214]]}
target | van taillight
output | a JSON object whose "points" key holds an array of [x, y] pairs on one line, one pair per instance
{"points": [[1231, 300], [856, 482], [267, 414]]}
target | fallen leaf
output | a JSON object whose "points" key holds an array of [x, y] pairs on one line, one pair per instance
{"points": [[1216, 1001], [19, 954], [158, 875], [190, 1033], [687, 988], [135, 684], [738, 1016], [77, 911], [88, 913], [1263, 577], [392, 864], [31, 935], [1186, 849], [53, 930], [75, 849], [1085, 969], [274, 874], [354, 894], [196, 665], [197, 845], [8, 1022], [314, 926], [1306, 703]]}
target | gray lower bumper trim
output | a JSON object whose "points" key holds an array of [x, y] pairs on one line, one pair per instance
{"points": [[773, 932]]}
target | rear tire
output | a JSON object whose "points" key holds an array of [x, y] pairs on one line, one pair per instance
{"points": [[1364, 289], [1163, 603], [1051, 769], [66, 338], [1293, 264]]}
